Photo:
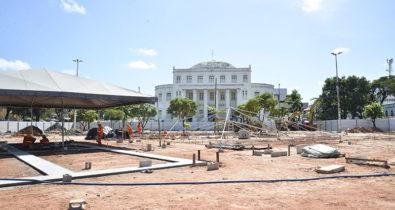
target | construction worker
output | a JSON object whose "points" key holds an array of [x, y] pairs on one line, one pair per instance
{"points": [[28, 140], [139, 128], [130, 129], [99, 132], [164, 133], [44, 140]]}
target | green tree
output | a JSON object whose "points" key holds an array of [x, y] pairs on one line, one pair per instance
{"points": [[112, 114], [354, 96], [86, 117], [143, 112], [279, 112], [182, 108], [266, 101], [374, 111], [295, 101], [383, 87]]}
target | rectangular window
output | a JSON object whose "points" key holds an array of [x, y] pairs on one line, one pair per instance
{"points": [[233, 96], [245, 78], [178, 79], [168, 96], [190, 95], [211, 96], [160, 97], [256, 93], [189, 79], [222, 78], [200, 79], [234, 78], [222, 96], [201, 96], [211, 79]]}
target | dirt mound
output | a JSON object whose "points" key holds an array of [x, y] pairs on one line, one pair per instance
{"points": [[363, 130], [27, 130]]}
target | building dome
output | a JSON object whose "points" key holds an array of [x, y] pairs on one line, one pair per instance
{"points": [[213, 65]]}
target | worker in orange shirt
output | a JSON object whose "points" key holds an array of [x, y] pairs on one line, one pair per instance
{"points": [[99, 132], [44, 140], [139, 128], [28, 140], [130, 129]]}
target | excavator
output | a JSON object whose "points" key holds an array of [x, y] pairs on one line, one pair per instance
{"points": [[304, 124]]}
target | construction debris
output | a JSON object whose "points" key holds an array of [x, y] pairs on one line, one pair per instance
{"points": [[225, 146], [212, 166], [320, 151], [330, 169], [279, 153], [244, 134], [364, 160]]}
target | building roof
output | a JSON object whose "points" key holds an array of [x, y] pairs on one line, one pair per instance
{"points": [[213, 65]]}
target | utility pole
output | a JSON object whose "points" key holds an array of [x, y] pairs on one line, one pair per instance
{"points": [[215, 104], [75, 111], [279, 95], [389, 61], [339, 122]]}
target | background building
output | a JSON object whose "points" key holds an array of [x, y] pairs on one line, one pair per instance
{"points": [[198, 83]]}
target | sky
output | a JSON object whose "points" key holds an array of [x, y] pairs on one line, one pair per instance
{"points": [[136, 43]]}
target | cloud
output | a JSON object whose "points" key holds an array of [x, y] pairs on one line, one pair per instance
{"points": [[149, 52], [341, 50], [72, 6], [13, 65], [141, 65], [69, 71], [311, 5]]}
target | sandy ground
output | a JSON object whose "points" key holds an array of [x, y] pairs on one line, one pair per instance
{"points": [[344, 193]]}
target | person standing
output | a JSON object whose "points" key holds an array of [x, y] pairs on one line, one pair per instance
{"points": [[99, 132]]}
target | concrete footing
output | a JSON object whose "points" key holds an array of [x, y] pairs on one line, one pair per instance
{"points": [[267, 151], [77, 204], [212, 166], [279, 153], [330, 169], [145, 163], [67, 178], [257, 153], [299, 149]]}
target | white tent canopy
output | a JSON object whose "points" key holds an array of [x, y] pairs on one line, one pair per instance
{"points": [[45, 88]]}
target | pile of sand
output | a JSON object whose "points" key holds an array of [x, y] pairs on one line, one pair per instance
{"points": [[363, 130]]}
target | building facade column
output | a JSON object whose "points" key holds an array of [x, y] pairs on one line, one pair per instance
{"points": [[227, 98], [217, 98], [183, 93], [239, 98], [194, 119], [205, 98]]}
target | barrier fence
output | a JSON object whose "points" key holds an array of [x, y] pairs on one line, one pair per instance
{"points": [[387, 124]]}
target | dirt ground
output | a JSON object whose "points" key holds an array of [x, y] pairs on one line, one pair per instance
{"points": [[343, 193]]}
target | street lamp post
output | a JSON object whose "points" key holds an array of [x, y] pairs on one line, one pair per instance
{"points": [[339, 122], [75, 111]]}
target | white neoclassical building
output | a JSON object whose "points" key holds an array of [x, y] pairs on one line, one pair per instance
{"points": [[214, 83]]}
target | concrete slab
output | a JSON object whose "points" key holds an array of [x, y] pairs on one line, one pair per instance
{"points": [[37, 163], [279, 153], [173, 162], [330, 169]]}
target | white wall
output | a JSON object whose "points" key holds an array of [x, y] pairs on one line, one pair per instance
{"points": [[387, 124]]}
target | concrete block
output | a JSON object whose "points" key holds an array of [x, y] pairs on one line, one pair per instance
{"points": [[330, 169], [77, 204], [359, 157], [267, 151], [145, 163], [88, 165], [67, 178], [279, 153], [244, 134], [257, 153], [149, 147], [119, 140], [299, 149], [212, 166]]}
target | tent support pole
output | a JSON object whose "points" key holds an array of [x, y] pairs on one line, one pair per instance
{"points": [[31, 120], [62, 123]]}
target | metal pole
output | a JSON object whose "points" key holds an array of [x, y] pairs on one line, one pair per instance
{"points": [[31, 120], [75, 111], [339, 122], [279, 95], [215, 104], [62, 123]]}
